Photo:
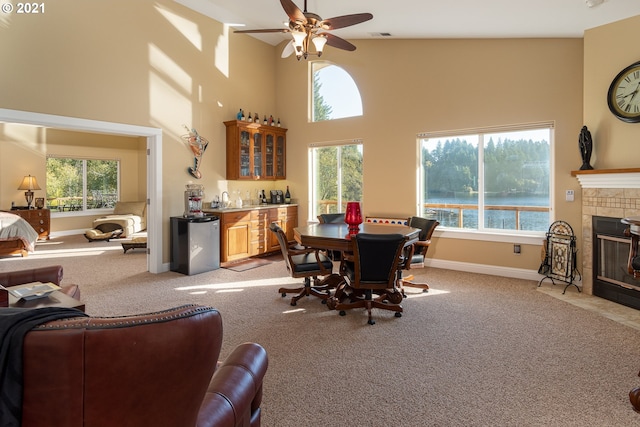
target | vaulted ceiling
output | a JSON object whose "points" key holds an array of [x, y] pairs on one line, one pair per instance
{"points": [[403, 19]]}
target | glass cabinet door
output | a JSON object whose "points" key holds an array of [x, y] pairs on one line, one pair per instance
{"points": [[269, 155], [280, 157], [245, 154], [257, 155]]}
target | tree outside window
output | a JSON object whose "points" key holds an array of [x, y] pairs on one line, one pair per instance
{"points": [[492, 180], [81, 184]]}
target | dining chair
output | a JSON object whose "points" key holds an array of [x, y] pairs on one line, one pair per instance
{"points": [[414, 258], [304, 263], [332, 218], [371, 280]]}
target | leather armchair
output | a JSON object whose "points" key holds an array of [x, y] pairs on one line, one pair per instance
{"points": [[51, 274], [158, 369]]}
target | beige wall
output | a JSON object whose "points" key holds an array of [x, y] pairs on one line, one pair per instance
{"points": [[414, 86], [161, 65], [147, 63], [608, 50]]}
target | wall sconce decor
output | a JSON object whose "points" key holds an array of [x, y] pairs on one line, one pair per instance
{"points": [[197, 144], [29, 183]]}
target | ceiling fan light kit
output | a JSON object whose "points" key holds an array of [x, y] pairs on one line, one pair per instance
{"points": [[305, 26]]}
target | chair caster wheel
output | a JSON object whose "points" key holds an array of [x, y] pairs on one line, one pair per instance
{"points": [[324, 301], [342, 313], [293, 303], [283, 295], [371, 322], [398, 314], [424, 291]]}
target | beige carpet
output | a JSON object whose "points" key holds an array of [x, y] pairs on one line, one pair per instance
{"points": [[475, 351]]}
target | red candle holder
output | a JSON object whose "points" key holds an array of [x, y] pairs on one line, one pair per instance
{"points": [[353, 217]]}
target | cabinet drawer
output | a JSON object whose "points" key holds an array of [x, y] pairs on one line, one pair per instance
{"points": [[260, 214], [231, 217]]}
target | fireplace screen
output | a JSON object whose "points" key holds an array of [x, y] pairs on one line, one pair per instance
{"points": [[560, 255], [613, 254]]}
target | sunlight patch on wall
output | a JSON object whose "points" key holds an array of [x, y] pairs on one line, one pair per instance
{"points": [[170, 91], [187, 28], [221, 54]]}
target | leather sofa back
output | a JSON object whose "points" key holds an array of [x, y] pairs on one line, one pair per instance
{"points": [[51, 274], [144, 370]]}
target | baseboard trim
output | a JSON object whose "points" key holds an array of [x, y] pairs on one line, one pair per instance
{"points": [[493, 270]]}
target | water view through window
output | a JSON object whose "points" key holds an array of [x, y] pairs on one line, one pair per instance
{"points": [[487, 181]]}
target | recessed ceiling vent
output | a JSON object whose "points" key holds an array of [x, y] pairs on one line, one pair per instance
{"points": [[380, 34]]}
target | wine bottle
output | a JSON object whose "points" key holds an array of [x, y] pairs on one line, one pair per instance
{"points": [[287, 196], [264, 197], [256, 119], [249, 119], [265, 120], [270, 120], [278, 121]]}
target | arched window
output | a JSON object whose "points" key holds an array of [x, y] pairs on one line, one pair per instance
{"points": [[334, 94]]}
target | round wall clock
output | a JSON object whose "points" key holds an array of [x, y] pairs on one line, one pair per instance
{"points": [[624, 94]]}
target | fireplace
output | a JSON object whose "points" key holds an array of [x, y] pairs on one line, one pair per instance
{"points": [[613, 194], [611, 279]]}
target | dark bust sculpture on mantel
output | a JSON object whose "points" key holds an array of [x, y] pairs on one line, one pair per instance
{"points": [[586, 146]]}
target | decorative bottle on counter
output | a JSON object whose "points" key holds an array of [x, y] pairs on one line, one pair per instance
{"points": [[287, 196], [264, 197]]}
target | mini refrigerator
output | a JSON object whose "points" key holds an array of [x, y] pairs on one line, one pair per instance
{"points": [[195, 244]]}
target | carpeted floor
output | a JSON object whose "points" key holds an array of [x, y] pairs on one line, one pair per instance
{"points": [[476, 350]]}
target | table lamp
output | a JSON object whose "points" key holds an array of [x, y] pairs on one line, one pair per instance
{"points": [[29, 183], [353, 217]]}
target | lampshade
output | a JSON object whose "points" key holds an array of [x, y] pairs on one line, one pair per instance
{"points": [[319, 42], [29, 183]]}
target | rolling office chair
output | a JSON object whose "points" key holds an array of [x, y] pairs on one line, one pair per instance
{"points": [[371, 275], [415, 258], [307, 263]]}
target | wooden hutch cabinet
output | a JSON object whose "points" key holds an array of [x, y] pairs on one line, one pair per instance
{"points": [[255, 151]]}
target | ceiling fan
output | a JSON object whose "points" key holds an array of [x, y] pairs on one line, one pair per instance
{"points": [[309, 28]]}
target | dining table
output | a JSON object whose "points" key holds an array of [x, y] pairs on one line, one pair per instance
{"points": [[336, 236]]}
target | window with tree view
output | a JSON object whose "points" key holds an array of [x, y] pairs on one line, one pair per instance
{"points": [[336, 177], [334, 93], [493, 180], [81, 184]]}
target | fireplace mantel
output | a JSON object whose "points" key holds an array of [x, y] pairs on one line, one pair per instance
{"points": [[608, 178]]}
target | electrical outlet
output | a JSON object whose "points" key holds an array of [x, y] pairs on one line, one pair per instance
{"points": [[569, 196], [516, 249]]}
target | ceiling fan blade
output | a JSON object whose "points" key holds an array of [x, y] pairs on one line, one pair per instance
{"points": [[288, 50], [338, 42], [293, 12], [345, 21], [266, 30]]}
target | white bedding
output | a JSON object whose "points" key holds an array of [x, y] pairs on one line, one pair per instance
{"points": [[13, 227]]}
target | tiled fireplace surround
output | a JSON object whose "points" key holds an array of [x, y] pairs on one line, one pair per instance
{"points": [[611, 193]]}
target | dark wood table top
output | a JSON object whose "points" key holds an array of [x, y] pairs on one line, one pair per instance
{"points": [[55, 299], [334, 236]]}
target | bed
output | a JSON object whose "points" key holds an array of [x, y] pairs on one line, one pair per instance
{"points": [[17, 236]]}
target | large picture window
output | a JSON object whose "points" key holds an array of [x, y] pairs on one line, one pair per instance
{"points": [[82, 184], [335, 174], [495, 180]]}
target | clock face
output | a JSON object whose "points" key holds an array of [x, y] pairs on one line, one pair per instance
{"points": [[624, 94]]}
